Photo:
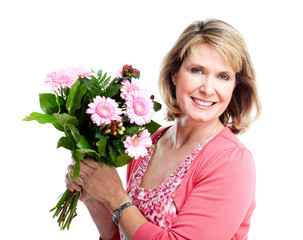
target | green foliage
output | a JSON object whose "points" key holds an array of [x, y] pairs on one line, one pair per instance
{"points": [[152, 127], [112, 154], [40, 117], [97, 85], [73, 101], [157, 106], [65, 118], [122, 160], [66, 110], [112, 90], [50, 103], [101, 144], [66, 143]]}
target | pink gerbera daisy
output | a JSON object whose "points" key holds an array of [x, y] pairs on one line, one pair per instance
{"points": [[60, 78], [136, 145], [81, 72], [104, 110], [66, 77], [120, 74], [130, 88], [139, 109]]}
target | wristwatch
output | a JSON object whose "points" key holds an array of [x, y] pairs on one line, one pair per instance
{"points": [[117, 213]]}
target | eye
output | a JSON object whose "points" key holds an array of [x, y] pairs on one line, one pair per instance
{"points": [[196, 70], [224, 77]]}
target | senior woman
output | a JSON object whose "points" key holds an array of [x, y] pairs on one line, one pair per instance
{"points": [[199, 183]]}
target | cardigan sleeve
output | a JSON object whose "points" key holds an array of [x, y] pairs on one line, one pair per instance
{"points": [[220, 204]]}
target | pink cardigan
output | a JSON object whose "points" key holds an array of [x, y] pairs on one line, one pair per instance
{"points": [[216, 199]]}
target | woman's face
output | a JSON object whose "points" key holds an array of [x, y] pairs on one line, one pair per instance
{"points": [[204, 84]]}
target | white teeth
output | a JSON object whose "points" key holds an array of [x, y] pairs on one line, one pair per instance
{"points": [[205, 104]]}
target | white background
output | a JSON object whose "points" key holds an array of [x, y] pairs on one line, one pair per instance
{"points": [[38, 37]]}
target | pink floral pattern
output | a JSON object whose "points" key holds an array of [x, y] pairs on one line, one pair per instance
{"points": [[157, 205]]}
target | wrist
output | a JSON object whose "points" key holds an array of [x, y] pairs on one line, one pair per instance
{"points": [[117, 202], [118, 212]]}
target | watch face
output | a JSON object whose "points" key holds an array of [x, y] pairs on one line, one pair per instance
{"points": [[116, 214]]}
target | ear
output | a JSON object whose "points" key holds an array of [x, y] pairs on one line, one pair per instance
{"points": [[174, 78]]}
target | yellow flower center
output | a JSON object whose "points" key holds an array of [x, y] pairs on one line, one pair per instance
{"points": [[139, 107], [136, 142]]}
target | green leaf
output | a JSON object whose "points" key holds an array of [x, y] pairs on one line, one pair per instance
{"points": [[152, 126], [157, 106], [59, 101], [40, 117], [120, 147], [65, 118], [99, 135], [112, 90], [73, 101], [77, 164], [101, 144], [48, 103], [58, 126], [72, 133], [87, 151], [83, 143], [112, 154], [66, 143], [123, 160], [99, 73], [133, 129], [90, 152]]}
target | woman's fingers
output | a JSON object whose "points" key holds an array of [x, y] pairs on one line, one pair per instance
{"points": [[90, 163], [72, 184]]}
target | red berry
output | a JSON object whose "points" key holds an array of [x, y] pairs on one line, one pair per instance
{"points": [[136, 71], [115, 133], [152, 97], [121, 132], [107, 130]]}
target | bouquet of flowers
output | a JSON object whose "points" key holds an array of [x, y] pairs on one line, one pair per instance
{"points": [[109, 120]]}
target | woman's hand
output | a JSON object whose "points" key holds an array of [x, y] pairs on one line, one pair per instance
{"points": [[102, 183], [72, 185], [98, 211]]}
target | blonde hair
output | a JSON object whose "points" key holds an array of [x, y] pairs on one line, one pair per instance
{"points": [[231, 45]]}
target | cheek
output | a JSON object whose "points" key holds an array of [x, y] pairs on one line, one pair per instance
{"points": [[226, 92]]}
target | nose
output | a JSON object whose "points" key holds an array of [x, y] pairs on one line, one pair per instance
{"points": [[208, 86]]}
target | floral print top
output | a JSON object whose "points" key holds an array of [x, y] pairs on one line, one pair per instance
{"points": [[157, 205]]}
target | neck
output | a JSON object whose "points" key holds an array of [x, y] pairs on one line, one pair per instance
{"points": [[186, 132]]}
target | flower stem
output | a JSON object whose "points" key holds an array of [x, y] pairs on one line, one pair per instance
{"points": [[66, 208]]}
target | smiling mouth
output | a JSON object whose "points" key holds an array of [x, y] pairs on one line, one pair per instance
{"points": [[202, 103]]}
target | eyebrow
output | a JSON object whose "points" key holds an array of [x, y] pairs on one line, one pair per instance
{"points": [[201, 66]]}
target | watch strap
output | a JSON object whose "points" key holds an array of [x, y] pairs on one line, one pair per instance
{"points": [[117, 213]]}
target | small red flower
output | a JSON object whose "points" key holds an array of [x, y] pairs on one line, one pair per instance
{"points": [[127, 67]]}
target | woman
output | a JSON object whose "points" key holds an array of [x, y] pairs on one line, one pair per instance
{"points": [[200, 182]]}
